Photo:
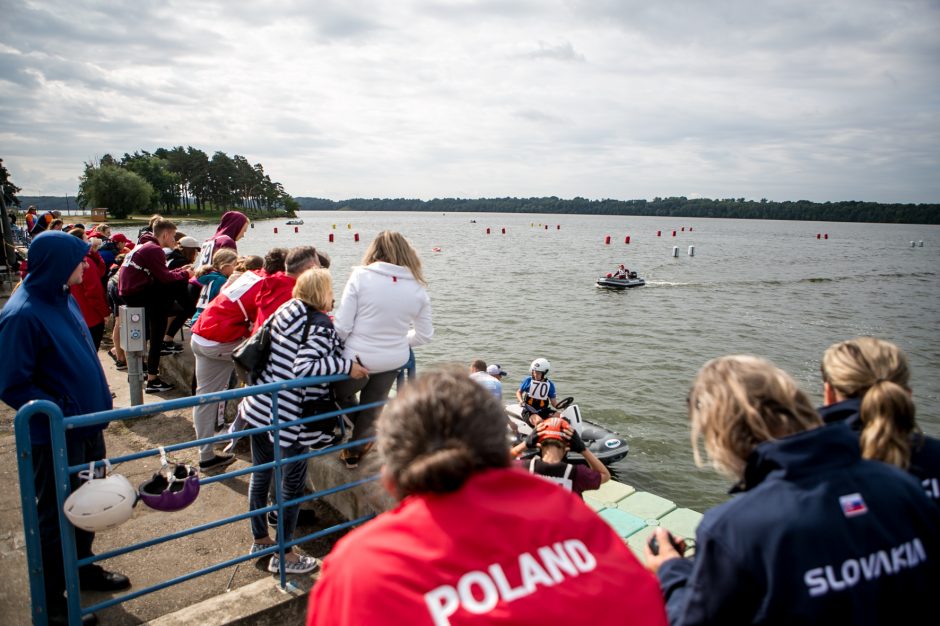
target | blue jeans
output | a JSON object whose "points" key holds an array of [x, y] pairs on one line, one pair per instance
{"points": [[293, 480]]}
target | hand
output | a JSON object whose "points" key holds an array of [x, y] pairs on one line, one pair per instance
{"points": [[358, 371], [667, 547], [532, 441], [574, 440]]}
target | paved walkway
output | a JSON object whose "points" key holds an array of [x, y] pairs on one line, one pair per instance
{"points": [[157, 563]]}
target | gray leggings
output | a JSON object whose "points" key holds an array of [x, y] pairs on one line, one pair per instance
{"points": [[373, 388], [293, 479]]}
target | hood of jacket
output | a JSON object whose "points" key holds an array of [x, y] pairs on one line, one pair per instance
{"points": [[53, 256], [399, 272], [811, 452], [846, 411], [231, 224], [147, 237]]}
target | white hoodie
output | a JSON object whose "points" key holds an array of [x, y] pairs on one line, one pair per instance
{"points": [[383, 312]]}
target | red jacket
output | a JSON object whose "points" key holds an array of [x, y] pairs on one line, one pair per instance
{"points": [[276, 289], [146, 265], [90, 293], [505, 548], [228, 317]]}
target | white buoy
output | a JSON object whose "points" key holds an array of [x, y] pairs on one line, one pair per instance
{"points": [[691, 250], [675, 251]]}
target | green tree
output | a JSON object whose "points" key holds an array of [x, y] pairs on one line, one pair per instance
{"points": [[115, 188], [7, 187], [155, 171]]}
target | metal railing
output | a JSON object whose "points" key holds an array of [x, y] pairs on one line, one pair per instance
{"points": [[59, 425]]}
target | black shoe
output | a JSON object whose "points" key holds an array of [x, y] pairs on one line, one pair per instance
{"points": [[96, 578], [272, 519], [217, 462], [172, 347], [156, 386]]}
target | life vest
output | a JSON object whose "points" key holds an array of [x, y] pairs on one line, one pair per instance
{"points": [[555, 472], [538, 394]]}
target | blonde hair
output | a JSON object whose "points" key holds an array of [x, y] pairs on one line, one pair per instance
{"points": [[877, 372], [392, 247], [315, 288], [225, 256], [740, 401]]}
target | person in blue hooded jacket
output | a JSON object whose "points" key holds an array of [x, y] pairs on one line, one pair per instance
{"points": [[51, 357], [814, 535]]}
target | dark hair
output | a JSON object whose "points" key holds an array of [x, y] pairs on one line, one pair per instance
{"points": [[439, 431], [299, 258], [253, 262], [479, 365], [274, 260]]}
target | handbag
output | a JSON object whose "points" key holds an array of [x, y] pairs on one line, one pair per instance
{"points": [[251, 355]]}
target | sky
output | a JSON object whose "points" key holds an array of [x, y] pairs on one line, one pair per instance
{"points": [[794, 99]]}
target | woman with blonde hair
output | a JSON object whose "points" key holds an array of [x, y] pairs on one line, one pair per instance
{"points": [[814, 534], [303, 343], [866, 383], [384, 312]]}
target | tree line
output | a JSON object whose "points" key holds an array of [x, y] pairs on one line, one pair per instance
{"points": [[679, 206], [179, 180]]}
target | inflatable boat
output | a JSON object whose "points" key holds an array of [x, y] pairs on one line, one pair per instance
{"points": [[607, 445], [295, 222], [605, 282]]}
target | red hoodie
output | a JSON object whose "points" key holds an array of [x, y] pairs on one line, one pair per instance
{"points": [[229, 315], [90, 293], [276, 289], [145, 265]]}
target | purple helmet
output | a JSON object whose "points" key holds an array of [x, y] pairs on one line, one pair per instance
{"points": [[172, 489]]}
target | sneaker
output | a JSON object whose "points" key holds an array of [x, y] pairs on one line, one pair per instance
{"points": [[120, 365], [303, 565], [217, 462], [172, 347], [258, 547], [272, 519], [156, 386]]}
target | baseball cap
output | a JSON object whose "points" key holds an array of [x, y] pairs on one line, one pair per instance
{"points": [[496, 370], [189, 242]]}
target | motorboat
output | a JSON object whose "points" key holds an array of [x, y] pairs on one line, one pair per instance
{"points": [[609, 282], [297, 222], [607, 445]]}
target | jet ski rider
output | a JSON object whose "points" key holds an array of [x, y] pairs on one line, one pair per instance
{"points": [[536, 394]]}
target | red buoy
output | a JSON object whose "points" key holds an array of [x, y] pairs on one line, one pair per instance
{"points": [[296, 229], [546, 227], [557, 226], [683, 229], [487, 231], [818, 236], [826, 236], [356, 237], [331, 237], [275, 230], [659, 233], [626, 239], [504, 231], [690, 229], [607, 240], [673, 233]]}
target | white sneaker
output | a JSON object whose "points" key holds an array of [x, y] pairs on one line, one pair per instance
{"points": [[303, 565]]}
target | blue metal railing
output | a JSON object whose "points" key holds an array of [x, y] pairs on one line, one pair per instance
{"points": [[59, 425]]}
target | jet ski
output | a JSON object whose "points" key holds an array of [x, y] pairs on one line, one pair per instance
{"points": [[607, 445]]}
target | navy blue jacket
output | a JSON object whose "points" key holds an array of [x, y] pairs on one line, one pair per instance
{"points": [[925, 450], [47, 350], [819, 536]]}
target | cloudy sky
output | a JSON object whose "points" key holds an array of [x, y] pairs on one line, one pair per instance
{"points": [[789, 99]]}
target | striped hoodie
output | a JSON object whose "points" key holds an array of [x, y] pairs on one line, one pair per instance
{"points": [[318, 356]]}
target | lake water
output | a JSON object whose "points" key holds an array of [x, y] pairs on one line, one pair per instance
{"points": [[769, 288]]}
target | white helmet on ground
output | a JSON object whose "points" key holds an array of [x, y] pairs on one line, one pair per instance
{"points": [[540, 365], [101, 503]]}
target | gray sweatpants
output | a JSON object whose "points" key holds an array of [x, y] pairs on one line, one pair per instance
{"points": [[214, 367]]}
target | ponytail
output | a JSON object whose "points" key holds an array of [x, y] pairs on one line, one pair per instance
{"points": [[887, 415]]}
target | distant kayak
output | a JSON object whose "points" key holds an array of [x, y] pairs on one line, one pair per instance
{"points": [[619, 283], [295, 222]]}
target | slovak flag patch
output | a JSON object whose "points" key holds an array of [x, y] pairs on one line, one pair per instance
{"points": [[853, 504]]}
